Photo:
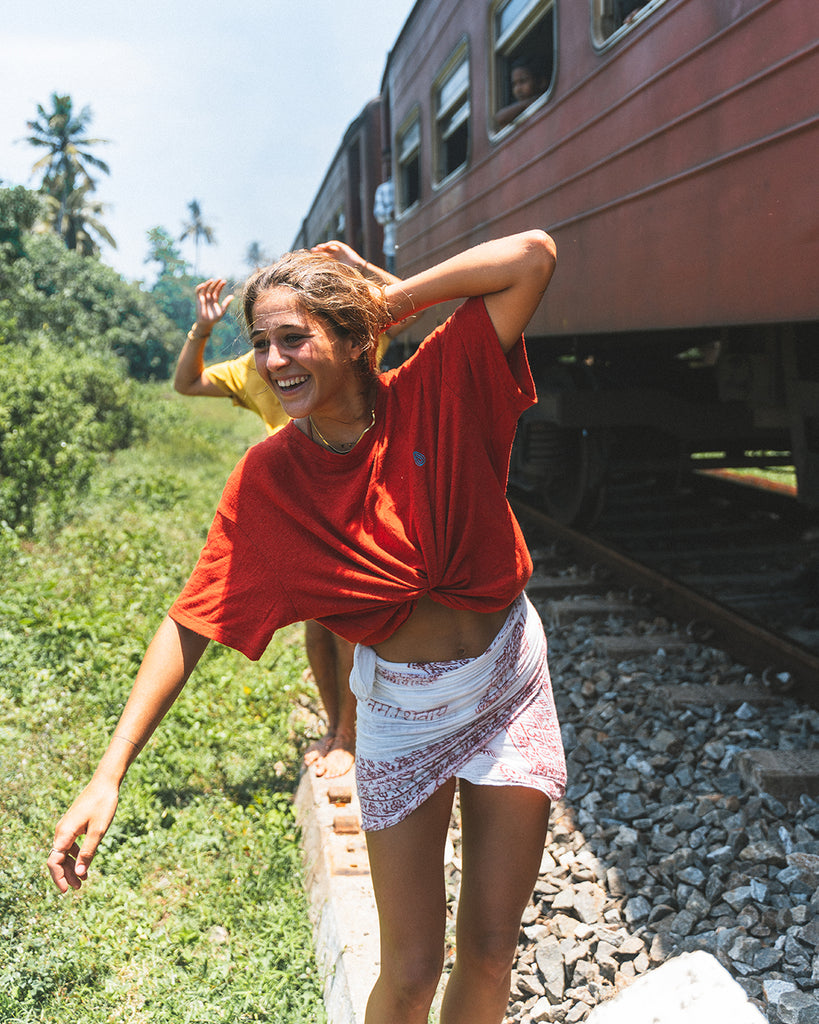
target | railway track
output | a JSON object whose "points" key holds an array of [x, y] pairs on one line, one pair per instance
{"points": [[737, 567]]}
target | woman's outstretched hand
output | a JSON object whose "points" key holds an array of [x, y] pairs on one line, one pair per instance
{"points": [[89, 816]]}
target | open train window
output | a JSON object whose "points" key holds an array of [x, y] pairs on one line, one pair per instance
{"points": [[523, 38], [450, 93], [408, 148], [610, 17]]}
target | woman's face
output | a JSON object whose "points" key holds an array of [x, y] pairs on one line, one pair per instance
{"points": [[304, 363]]}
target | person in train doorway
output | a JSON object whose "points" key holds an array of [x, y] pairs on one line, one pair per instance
{"points": [[381, 511], [527, 83], [384, 210], [330, 658]]}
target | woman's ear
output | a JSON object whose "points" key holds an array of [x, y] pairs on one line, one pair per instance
{"points": [[357, 347], [363, 356]]}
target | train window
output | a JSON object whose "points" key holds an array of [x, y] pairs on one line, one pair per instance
{"points": [[610, 16], [408, 148], [523, 33], [335, 227], [451, 104]]}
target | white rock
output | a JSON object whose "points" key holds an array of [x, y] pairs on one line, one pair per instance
{"points": [[692, 986]]}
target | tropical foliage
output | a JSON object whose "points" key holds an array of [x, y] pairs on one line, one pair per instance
{"points": [[58, 413], [76, 219], [173, 292], [71, 332], [75, 303], [19, 210], [196, 911], [256, 256], [66, 173]]}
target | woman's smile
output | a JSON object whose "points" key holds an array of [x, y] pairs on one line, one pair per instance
{"points": [[288, 383]]}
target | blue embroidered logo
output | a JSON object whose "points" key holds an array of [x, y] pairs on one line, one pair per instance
{"points": [[418, 458]]}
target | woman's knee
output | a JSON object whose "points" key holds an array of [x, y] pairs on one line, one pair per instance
{"points": [[413, 978], [490, 953]]}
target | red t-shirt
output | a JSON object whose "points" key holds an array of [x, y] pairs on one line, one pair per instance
{"points": [[417, 507]]}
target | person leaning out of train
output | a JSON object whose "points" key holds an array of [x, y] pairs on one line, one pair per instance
{"points": [[527, 84]]}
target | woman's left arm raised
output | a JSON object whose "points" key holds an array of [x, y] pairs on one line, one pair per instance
{"points": [[511, 274]]}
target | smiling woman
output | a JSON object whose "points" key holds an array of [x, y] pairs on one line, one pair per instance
{"points": [[380, 511]]}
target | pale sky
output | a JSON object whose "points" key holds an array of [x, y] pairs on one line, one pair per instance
{"points": [[239, 105]]}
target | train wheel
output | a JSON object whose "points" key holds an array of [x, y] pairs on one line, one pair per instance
{"points": [[573, 488], [566, 468]]}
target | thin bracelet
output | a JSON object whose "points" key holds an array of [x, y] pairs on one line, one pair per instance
{"points": [[193, 336], [118, 736]]}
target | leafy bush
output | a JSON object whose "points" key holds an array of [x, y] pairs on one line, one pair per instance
{"points": [[19, 210], [58, 412], [77, 300], [82, 304]]}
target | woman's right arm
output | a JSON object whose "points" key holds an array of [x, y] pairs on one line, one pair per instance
{"points": [[169, 660], [510, 273]]}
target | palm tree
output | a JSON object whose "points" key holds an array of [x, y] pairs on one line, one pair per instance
{"points": [[198, 230], [66, 165], [256, 256], [75, 217]]}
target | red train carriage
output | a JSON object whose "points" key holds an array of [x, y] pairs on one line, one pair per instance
{"points": [[343, 206], [672, 150]]}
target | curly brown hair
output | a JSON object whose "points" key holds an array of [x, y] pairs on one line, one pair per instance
{"points": [[351, 305]]}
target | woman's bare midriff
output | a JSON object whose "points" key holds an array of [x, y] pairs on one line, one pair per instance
{"points": [[434, 632]]}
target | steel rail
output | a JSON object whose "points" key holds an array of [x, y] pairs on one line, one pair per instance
{"points": [[749, 642]]}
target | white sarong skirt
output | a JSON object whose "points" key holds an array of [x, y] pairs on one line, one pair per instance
{"points": [[490, 720]]}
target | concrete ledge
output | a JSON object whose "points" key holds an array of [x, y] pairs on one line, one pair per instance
{"points": [[342, 906]]}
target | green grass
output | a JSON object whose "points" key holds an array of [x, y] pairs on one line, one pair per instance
{"points": [[195, 910]]}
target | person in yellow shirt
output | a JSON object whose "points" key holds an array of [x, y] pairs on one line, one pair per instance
{"points": [[330, 658]]}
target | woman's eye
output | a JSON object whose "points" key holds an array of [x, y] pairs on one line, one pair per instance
{"points": [[292, 339], [260, 344]]}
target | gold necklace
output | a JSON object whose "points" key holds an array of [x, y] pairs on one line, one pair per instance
{"points": [[345, 448]]}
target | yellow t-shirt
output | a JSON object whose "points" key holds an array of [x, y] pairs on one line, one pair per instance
{"points": [[241, 381]]}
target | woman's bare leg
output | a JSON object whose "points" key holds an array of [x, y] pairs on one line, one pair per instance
{"points": [[339, 756], [319, 645], [407, 866], [503, 832]]}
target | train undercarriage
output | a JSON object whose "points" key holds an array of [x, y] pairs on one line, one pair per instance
{"points": [[667, 404]]}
